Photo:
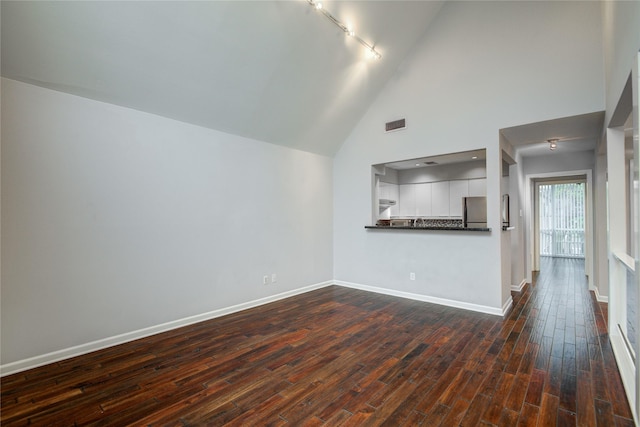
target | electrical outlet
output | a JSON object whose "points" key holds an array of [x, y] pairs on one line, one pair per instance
{"points": [[274, 278], [265, 280], [412, 276]]}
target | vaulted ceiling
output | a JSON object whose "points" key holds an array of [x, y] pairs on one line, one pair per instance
{"points": [[276, 71]]}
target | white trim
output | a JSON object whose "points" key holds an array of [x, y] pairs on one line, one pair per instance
{"points": [[530, 218], [434, 300], [507, 306], [625, 366], [520, 287], [626, 259], [600, 298], [56, 356]]}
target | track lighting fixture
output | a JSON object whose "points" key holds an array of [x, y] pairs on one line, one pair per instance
{"points": [[347, 30], [553, 143]]}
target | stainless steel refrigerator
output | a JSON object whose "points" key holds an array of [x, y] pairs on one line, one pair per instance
{"points": [[475, 212]]}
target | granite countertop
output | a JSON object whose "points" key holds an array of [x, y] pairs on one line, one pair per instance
{"points": [[444, 224], [388, 227]]}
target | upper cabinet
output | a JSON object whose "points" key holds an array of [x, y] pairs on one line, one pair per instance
{"points": [[440, 198], [388, 192], [457, 190], [478, 187], [407, 200], [423, 194], [432, 199]]}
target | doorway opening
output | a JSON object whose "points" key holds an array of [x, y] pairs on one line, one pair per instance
{"points": [[562, 219], [560, 223]]}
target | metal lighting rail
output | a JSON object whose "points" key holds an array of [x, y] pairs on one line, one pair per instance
{"points": [[348, 31]]}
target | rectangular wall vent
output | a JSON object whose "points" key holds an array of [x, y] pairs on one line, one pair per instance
{"points": [[395, 125]]}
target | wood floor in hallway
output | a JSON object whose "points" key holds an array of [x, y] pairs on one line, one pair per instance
{"points": [[339, 356]]}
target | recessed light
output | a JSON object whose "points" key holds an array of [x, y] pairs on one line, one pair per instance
{"points": [[474, 157], [418, 164]]}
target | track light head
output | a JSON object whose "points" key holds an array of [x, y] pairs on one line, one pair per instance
{"points": [[345, 28]]}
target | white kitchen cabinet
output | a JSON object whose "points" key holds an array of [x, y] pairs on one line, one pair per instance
{"points": [[390, 192], [386, 191], [383, 190], [440, 198], [407, 202], [393, 195], [423, 199], [457, 190], [431, 199], [478, 187]]}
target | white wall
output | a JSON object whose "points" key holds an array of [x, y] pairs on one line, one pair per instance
{"points": [[621, 39], [466, 170], [480, 67], [601, 253], [507, 158], [516, 197], [115, 220], [549, 164], [559, 162], [621, 35]]}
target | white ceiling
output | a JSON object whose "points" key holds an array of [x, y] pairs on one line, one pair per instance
{"points": [[277, 71], [576, 133], [444, 159]]}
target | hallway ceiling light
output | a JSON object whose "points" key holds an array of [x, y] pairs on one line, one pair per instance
{"points": [[553, 143], [346, 29]]}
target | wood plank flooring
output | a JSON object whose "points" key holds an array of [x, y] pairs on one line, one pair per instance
{"points": [[339, 356]]}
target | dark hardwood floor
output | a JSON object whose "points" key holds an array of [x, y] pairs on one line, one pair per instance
{"points": [[339, 356]]}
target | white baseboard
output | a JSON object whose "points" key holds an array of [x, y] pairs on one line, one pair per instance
{"points": [[520, 287], [507, 306], [600, 298], [425, 298], [56, 356]]}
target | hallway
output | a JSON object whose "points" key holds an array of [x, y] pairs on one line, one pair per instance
{"points": [[574, 353]]}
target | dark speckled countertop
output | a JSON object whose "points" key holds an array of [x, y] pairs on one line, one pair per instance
{"points": [[430, 224], [388, 227]]}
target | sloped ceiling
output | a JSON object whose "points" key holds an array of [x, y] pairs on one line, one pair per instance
{"points": [[276, 71]]}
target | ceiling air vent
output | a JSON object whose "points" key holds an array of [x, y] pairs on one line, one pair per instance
{"points": [[395, 125]]}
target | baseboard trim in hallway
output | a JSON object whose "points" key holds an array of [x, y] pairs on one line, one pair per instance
{"points": [[600, 298], [520, 287]]}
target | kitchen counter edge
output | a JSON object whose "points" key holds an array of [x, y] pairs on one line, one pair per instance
{"points": [[387, 227]]}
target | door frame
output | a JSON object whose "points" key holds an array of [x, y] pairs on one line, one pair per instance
{"points": [[581, 179], [620, 261], [532, 217]]}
